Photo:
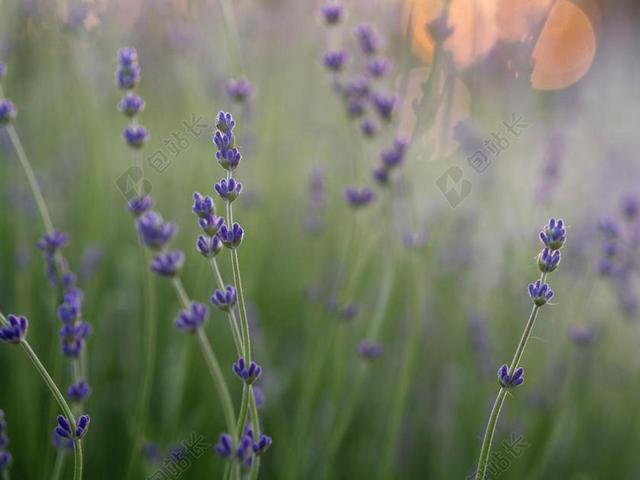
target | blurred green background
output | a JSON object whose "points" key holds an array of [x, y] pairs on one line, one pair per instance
{"points": [[450, 309]]}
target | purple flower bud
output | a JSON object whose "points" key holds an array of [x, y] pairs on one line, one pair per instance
{"points": [[582, 336], [68, 312], [553, 234], [359, 197], [512, 381], [16, 330], [249, 373], [331, 12], [208, 246], [228, 190], [202, 205], [368, 128], [630, 205], [168, 264], [211, 224], [3, 70], [384, 104], [135, 135], [394, 156], [63, 427], [548, 260], [225, 122], [262, 445], [131, 104], [225, 300], [139, 205], [609, 228], [355, 107], [52, 242], [72, 338], [378, 67], [127, 77], [127, 56], [79, 391], [335, 61], [368, 39], [369, 350], [231, 237], [381, 175], [224, 446], [540, 292], [239, 90], [191, 319], [154, 232], [8, 111]]}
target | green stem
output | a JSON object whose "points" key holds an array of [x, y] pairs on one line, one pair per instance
{"points": [[233, 323], [5, 474], [231, 30], [31, 178], [211, 361], [255, 421], [244, 408], [58, 466], [487, 441]]}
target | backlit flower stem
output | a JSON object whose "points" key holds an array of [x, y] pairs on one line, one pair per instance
{"points": [[55, 391], [487, 441], [211, 361]]}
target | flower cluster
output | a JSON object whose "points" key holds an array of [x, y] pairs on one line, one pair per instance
{"points": [[5, 456], [79, 391], [15, 331], [390, 159], [331, 13], [244, 450], [369, 350], [189, 320], [64, 429], [510, 381], [620, 243], [249, 373], [239, 90], [359, 197], [8, 111]]}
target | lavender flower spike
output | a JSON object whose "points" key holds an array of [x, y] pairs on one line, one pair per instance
{"points": [[249, 373], [540, 292], [225, 300], [193, 318], [510, 381], [128, 71], [16, 331], [168, 264]]}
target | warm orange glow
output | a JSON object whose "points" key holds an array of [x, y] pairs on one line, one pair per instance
{"points": [[562, 55], [566, 48], [473, 20]]}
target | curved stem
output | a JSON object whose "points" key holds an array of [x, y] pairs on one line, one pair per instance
{"points": [[77, 448], [485, 450]]}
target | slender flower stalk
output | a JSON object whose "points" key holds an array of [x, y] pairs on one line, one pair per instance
{"points": [[53, 388], [553, 236]]}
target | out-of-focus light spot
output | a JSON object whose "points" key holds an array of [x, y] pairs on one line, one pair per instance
{"points": [[566, 48]]}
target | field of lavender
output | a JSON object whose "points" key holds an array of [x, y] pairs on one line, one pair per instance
{"points": [[283, 239]]}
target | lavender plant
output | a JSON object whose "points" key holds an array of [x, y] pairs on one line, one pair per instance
{"points": [[553, 237], [74, 330], [13, 330]]}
